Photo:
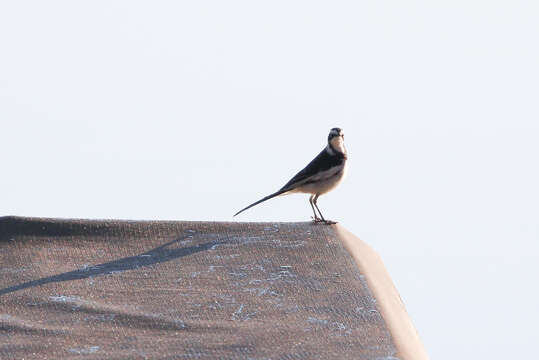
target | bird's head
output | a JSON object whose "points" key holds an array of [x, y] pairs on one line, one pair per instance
{"points": [[336, 140]]}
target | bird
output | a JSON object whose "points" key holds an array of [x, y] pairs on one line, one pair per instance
{"points": [[320, 176]]}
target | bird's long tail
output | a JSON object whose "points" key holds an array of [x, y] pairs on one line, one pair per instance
{"points": [[280, 192]]}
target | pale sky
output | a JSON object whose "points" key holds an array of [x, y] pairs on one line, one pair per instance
{"points": [[193, 110]]}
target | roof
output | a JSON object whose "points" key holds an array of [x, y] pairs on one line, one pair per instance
{"points": [[188, 290]]}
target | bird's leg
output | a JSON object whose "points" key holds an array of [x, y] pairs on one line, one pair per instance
{"points": [[329, 222], [315, 218], [315, 199]]}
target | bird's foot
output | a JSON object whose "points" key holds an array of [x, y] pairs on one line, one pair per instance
{"points": [[329, 222], [317, 220]]}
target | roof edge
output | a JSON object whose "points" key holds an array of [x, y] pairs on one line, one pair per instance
{"points": [[403, 332]]}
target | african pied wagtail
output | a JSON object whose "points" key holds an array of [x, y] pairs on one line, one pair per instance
{"points": [[322, 175]]}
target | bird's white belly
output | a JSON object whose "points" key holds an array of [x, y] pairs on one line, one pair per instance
{"points": [[326, 183]]}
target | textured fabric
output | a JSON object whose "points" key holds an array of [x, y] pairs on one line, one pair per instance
{"points": [[183, 290]]}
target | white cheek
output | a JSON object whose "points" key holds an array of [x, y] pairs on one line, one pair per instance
{"points": [[338, 144]]}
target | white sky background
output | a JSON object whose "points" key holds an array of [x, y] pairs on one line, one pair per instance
{"points": [[193, 110]]}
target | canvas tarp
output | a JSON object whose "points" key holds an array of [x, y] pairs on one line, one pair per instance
{"points": [[92, 289]]}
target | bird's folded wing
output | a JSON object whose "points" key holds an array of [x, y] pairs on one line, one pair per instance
{"points": [[321, 167]]}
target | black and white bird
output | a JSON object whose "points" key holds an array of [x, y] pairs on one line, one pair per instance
{"points": [[320, 176]]}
